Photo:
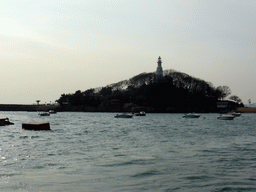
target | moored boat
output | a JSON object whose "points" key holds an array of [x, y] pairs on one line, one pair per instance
{"points": [[141, 113], [124, 115], [191, 115], [44, 114], [52, 112], [235, 114], [5, 121], [226, 117]]}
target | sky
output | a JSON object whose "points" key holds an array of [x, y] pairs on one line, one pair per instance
{"points": [[55, 47]]}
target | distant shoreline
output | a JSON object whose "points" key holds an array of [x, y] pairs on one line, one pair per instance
{"points": [[246, 110], [34, 107], [24, 107]]}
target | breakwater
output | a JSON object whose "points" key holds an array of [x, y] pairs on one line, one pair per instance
{"points": [[20, 107], [246, 110]]}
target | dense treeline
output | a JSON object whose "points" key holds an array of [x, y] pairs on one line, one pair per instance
{"points": [[175, 92]]}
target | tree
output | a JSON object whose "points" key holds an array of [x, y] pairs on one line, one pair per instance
{"points": [[130, 88], [235, 98], [88, 91], [106, 91], [222, 92]]}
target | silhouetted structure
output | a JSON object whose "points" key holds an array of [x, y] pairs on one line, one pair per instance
{"points": [[150, 92], [159, 70]]}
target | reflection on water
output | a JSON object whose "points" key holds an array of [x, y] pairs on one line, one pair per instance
{"points": [[156, 152]]}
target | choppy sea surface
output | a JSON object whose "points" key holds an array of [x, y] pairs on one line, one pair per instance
{"points": [[158, 152]]}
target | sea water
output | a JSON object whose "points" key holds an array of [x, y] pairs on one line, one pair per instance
{"points": [[157, 152]]}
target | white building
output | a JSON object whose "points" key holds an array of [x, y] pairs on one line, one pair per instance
{"points": [[159, 69]]}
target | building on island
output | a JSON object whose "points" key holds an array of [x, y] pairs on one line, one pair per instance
{"points": [[227, 105], [159, 70]]}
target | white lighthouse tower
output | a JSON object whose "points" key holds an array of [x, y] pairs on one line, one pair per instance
{"points": [[159, 70]]}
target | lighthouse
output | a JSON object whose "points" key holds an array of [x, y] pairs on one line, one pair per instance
{"points": [[159, 70]]}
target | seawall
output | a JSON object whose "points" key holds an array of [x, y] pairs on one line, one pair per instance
{"points": [[18, 107], [246, 110]]}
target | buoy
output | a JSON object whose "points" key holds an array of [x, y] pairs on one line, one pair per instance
{"points": [[36, 126]]}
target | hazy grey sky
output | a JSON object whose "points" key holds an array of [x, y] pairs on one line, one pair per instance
{"points": [[53, 47]]}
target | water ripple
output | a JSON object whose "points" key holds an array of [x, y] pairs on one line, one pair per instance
{"points": [[158, 152]]}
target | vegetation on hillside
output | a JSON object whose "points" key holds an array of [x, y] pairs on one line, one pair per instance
{"points": [[175, 92]]}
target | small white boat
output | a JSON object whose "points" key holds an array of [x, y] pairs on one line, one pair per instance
{"points": [[124, 115], [142, 113], [235, 114], [52, 112], [191, 115], [44, 114], [226, 117]]}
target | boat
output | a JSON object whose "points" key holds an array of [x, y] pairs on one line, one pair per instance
{"points": [[52, 112], [124, 115], [44, 114], [141, 113], [226, 117], [5, 121], [191, 115], [235, 114]]}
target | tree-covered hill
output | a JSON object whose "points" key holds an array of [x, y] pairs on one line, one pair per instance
{"points": [[175, 92]]}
